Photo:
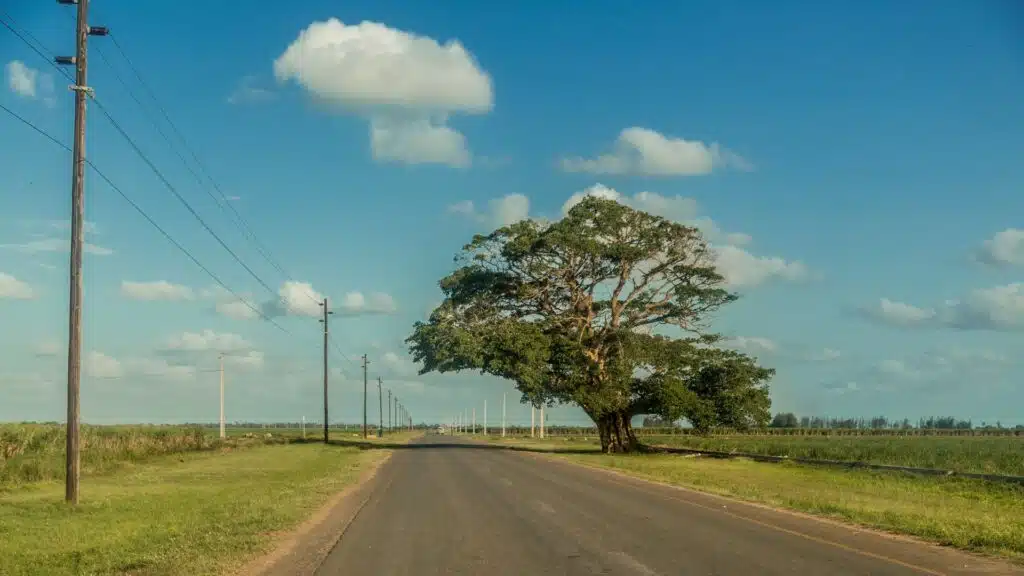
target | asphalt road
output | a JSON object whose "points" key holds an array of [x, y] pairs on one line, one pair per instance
{"points": [[444, 506]]}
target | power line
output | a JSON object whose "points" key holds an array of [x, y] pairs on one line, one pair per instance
{"points": [[240, 220], [149, 219], [145, 159]]}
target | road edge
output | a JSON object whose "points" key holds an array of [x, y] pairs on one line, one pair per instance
{"points": [[304, 549], [987, 564]]}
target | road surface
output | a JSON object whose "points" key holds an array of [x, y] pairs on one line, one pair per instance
{"points": [[445, 506]]}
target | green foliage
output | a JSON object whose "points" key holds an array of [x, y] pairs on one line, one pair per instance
{"points": [[568, 311]]}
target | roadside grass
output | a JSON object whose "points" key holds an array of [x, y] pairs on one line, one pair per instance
{"points": [[969, 514], [982, 454], [32, 453], [189, 513]]}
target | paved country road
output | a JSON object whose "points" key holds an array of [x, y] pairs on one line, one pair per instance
{"points": [[446, 506]]}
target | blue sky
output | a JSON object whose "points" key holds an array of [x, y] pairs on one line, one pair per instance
{"points": [[855, 164]]}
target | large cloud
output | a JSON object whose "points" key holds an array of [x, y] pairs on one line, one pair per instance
{"points": [[28, 82], [408, 84], [996, 308], [641, 151]]}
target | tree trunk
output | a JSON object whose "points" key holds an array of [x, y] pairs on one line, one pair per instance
{"points": [[616, 430]]}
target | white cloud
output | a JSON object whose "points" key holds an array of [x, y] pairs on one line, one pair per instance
{"points": [[372, 65], [645, 152], [99, 365], [251, 360], [21, 79], [11, 287], [899, 314], [996, 308], [397, 365], [407, 84], [417, 141], [500, 211], [742, 269], [753, 344], [237, 309], [1006, 248], [207, 341], [354, 303], [300, 299], [248, 92], [159, 290], [56, 245]]}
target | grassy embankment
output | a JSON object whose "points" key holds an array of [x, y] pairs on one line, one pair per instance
{"points": [[969, 514], [161, 500]]}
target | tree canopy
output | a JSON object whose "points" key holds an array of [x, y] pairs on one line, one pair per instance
{"points": [[571, 311]]}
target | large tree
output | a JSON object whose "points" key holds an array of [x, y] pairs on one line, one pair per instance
{"points": [[576, 312]]}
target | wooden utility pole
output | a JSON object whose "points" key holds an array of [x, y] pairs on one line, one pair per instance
{"points": [[82, 91], [380, 404], [222, 434], [391, 427], [365, 364], [327, 313]]}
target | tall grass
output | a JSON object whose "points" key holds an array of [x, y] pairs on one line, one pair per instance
{"points": [[984, 454], [35, 452]]}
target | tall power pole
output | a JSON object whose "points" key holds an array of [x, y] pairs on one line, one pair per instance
{"points": [[327, 313], [391, 427], [365, 364], [222, 434], [82, 90], [380, 404]]}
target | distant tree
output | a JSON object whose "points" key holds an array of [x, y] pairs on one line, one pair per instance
{"points": [[785, 420], [568, 312]]}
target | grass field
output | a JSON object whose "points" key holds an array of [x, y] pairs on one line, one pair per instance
{"points": [[163, 500], [969, 514], [35, 452], [984, 454]]}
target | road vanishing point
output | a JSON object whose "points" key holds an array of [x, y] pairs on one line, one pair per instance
{"points": [[446, 505]]}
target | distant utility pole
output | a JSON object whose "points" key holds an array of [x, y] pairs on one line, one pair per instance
{"points": [[303, 427], [474, 420], [503, 395], [327, 313], [391, 427], [380, 404], [222, 434], [365, 364], [485, 417], [81, 89]]}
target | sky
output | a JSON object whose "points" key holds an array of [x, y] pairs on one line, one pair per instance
{"points": [[856, 166]]}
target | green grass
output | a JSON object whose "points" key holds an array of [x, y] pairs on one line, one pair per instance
{"points": [[35, 452], [983, 454], [968, 514], [189, 513]]}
